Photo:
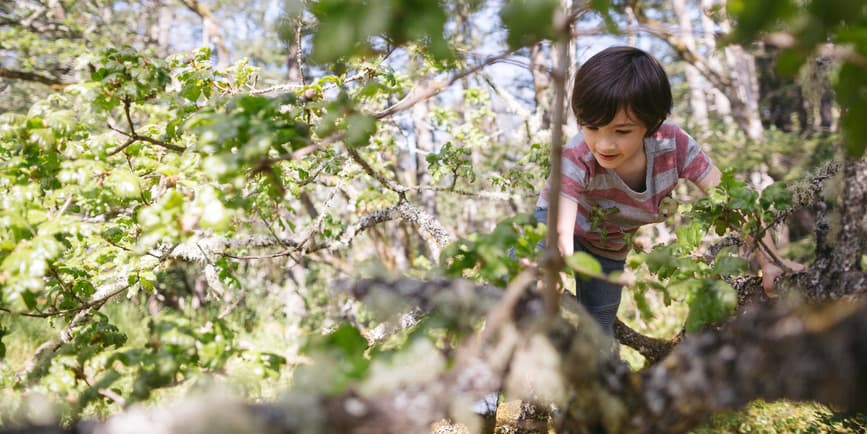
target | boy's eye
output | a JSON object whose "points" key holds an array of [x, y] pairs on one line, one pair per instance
{"points": [[624, 132], [592, 128]]}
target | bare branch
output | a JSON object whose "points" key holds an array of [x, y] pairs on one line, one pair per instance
{"points": [[391, 185], [431, 89], [552, 261]]}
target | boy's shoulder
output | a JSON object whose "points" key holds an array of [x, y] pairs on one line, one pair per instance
{"points": [[577, 151]]}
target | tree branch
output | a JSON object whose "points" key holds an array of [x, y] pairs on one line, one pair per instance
{"points": [[552, 260], [652, 349], [431, 89], [134, 137], [54, 82]]}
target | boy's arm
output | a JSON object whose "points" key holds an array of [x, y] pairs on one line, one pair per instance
{"points": [[568, 211], [710, 180], [770, 270]]}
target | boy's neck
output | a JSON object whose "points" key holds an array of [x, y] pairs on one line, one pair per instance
{"points": [[634, 173]]}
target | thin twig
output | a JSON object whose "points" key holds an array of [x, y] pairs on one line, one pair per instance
{"points": [[773, 255], [110, 394], [432, 89], [391, 185], [492, 195], [134, 137], [87, 305]]}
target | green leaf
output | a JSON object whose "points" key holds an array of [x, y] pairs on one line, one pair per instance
{"points": [[640, 297], [584, 264], [709, 303], [727, 265], [359, 129], [529, 21], [29, 298], [125, 183]]}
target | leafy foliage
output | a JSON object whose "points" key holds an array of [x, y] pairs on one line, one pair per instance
{"points": [[811, 24]]}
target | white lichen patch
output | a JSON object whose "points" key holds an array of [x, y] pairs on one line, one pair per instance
{"points": [[535, 374], [419, 364]]}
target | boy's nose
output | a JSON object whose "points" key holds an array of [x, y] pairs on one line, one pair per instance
{"points": [[605, 146]]}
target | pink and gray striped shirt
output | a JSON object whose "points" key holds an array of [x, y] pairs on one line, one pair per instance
{"points": [[671, 154]]}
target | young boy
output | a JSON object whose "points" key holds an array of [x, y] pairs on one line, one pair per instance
{"points": [[620, 166]]}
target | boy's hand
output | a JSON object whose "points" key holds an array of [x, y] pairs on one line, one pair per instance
{"points": [[770, 272]]}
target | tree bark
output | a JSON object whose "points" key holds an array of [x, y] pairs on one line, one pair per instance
{"points": [[816, 353]]}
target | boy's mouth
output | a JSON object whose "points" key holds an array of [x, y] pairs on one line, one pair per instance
{"points": [[608, 157]]}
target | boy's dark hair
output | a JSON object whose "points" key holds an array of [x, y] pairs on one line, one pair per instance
{"points": [[621, 77]]}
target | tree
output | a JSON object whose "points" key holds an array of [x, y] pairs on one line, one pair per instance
{"points": [[148, 171]]}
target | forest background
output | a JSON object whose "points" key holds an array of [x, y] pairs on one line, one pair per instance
{"points": [[296, 216]]}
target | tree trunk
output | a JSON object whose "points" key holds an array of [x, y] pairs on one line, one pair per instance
{"points": [[212, 31], [744, 94], [423, 146], [721, 103], [541, 84], [166, 19], [697, 99], [294, 65]]}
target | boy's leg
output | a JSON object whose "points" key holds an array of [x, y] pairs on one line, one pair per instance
{"points": [[600, 298]]}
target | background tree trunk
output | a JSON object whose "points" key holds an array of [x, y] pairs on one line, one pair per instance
{"points": [[212, 31], [697, 98], [721, 104]]}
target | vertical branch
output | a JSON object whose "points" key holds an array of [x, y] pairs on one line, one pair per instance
{"points": [[212, 31], [552, 260]]}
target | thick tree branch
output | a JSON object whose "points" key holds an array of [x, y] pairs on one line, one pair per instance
{"points": [[804, 353], [788, 352], [652, 349], [12, 74], [431, 230]]}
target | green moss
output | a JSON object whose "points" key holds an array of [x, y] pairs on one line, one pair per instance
{"points": [[784, 417]]}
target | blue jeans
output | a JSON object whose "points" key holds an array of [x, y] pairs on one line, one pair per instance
{"points": [[600, 298]]}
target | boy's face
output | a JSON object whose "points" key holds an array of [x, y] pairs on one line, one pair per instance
{"points": [[619, 145]]}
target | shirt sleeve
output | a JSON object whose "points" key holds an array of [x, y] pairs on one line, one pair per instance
{"points": [[573, 179], [692, 162], [574, 174]]}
